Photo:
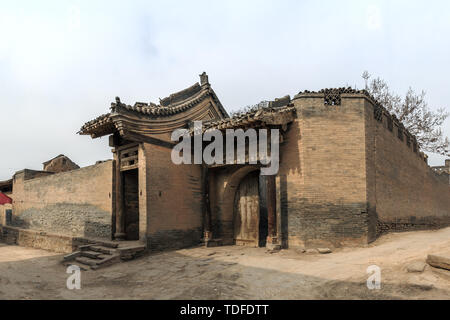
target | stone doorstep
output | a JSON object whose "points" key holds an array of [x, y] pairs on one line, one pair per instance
{"points": [[108, 244], [438, 261], [131, 250], [212, 243], [104, 243], [273, 247], [131, 253]]}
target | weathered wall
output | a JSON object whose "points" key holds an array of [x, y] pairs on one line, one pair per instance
{"points": [[407, 193], [322, 179], [77, 202], [173, 199]]}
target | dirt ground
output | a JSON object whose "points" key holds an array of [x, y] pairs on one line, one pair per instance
{"points": [[234, 272]]}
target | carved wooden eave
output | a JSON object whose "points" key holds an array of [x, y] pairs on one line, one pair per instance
{"points": [[198, 102]]}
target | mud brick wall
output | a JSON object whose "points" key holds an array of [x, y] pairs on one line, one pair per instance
{"points": [[76, 203], [173, 198], [321, 185], [408, 194]]}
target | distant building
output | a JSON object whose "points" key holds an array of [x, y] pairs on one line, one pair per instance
{"points": [[60, 163]]}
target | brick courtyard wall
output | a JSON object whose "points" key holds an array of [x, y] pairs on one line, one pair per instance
{"points": [[321, 185], [173, 200], [76, 203], [407, 193]]}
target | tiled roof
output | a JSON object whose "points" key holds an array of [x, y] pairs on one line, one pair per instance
{"points": [[160, 110], [101, 123], [175, 103], [252, 118]]}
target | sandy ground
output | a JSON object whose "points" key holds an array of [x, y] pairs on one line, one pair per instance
{"points": [[238, 273]]}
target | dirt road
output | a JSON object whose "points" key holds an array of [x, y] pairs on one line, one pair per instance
{"points": [[238, 273]]}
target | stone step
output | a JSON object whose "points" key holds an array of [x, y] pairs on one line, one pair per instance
{"points": [[101, 242], [91, 254], [84, 247], [111, 258], [72, 256], [87, 261], [101, 249], [108, 244], [107, 262]]}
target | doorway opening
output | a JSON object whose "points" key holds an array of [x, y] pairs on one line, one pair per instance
{"points": [[131, 204]]}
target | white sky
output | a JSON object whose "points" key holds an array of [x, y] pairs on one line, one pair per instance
{"points": [[63, 62]]}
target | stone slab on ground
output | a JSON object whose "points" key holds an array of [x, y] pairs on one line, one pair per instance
{"points": [[439, 261], [324, 250], [417, 266]]}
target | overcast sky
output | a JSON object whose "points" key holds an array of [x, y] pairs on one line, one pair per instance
{"points": [[63, 62]]}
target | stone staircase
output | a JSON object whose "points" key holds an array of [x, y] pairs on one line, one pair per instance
{"points": [[98, 255]]}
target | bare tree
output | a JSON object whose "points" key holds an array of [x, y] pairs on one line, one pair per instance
{"points": [[249, 108], [414, 113]]}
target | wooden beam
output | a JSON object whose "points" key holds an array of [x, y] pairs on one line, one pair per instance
{"points": [[141, 138]]}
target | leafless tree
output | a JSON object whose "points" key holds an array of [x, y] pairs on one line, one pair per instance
{"points": [[414, 113], [249, 108]]}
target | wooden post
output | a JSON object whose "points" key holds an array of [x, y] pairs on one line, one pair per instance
{"points": [[206, 205], [120, 218], [271, 210]]}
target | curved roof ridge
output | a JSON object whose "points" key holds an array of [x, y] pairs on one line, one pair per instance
{"points": [[180, 96]]}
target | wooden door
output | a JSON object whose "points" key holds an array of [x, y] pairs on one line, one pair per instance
{"points": [[131, 203], [246, 212]]}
